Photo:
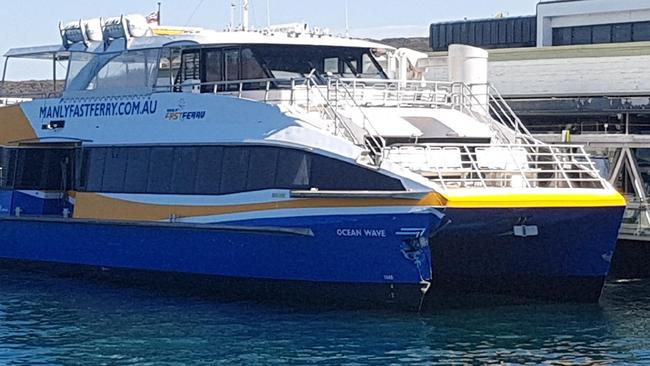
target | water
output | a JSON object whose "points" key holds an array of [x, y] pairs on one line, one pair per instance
{"points": [[63, 321]]}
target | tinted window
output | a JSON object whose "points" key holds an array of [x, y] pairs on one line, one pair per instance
{"points": [[185, 160], [221, 170], [331, 174], [581, 35], [29, 168], [213, 69], [94, 160], [234, 169], [8, 167], [208, 170], [160, 170], [232, 64], [561, 36], [602, 34], [262, 168], [622, 32], [137, 169], [37, 168], [293, 169], [213, 65], [250, 67], [114, 170], [641, 31]]}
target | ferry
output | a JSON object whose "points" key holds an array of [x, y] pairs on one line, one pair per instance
{"points": [[285, 163]]}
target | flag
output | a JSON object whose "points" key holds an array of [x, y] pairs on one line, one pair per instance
{"points": [[154, 17]]}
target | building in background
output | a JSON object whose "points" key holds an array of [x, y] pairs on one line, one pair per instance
{"points": [[557, 23], [582, 66]]}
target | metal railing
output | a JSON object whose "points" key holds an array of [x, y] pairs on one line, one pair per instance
{"points": [[636, 220], [494, 165], [494, 110], [391, 93]]}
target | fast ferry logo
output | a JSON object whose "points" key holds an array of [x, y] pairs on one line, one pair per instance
{"points": [[176, 114]]}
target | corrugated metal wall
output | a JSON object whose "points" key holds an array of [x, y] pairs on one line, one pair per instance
{"points": [[489, 33]]}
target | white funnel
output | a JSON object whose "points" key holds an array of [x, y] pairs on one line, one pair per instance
{"points": [[469, 65]]}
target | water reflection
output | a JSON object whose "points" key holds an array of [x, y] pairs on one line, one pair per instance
{"points": [[66, 321]]}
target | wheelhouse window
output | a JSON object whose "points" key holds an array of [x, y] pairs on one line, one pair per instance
{"points": [[190, 66], [213, 68], [369, 67], [168, 67], [279, 62], [331, 65], [350, 68], [128, 70]]}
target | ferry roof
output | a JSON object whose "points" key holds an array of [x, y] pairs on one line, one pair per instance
{"points": [[165, 35]]}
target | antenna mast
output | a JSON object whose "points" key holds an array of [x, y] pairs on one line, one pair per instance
{"points": [[244, 15], [268, 13], [232, 15], [347, 20]]}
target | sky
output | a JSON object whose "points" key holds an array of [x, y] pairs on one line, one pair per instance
{"points": [[35, 22]]}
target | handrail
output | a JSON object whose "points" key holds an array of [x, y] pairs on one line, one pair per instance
{"points": [[554, 166], [338, 119], [377, 142]]}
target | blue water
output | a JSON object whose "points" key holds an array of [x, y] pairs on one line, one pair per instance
{"points": [[64, 321]]}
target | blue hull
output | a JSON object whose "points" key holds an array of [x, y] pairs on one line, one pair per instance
{"points": [[567, 260], [477, 253], [344, 252]]}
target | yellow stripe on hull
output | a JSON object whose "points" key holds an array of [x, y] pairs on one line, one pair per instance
{"points": [[14, 125], [96, 206], [569, 198]]}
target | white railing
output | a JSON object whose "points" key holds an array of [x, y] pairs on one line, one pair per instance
{"points": [[391, 93], [506, 165], [494, 110]]}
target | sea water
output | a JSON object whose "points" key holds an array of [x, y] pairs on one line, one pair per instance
{"points": [[46, 320]]}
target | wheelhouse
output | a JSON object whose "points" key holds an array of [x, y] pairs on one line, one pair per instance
{"points": [[186, 65]]}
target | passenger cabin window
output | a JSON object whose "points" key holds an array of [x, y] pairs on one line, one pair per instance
{"points": [[37, 168], [213, 170]]}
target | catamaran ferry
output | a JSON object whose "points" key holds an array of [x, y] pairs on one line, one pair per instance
{"points": [[286, 163]]}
